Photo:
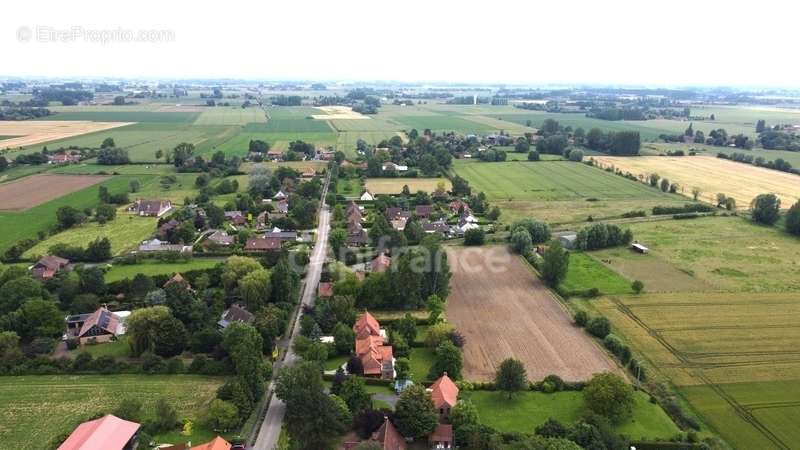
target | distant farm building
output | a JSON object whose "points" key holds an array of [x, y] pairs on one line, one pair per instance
{"points": [[106, 433], [150, 208], [639, 248]]}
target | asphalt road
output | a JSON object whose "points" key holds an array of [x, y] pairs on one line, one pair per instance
{"points": [[271, 426]]}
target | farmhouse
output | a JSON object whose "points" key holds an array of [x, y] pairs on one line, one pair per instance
{"points": [[639, 248], [150, 208], [63, 158], [106, 433], [308, 173], [399, 223], [357, 235], [260, 244], [236, 313], [325, 289], [281, 235], [274, 155], [283, 208], [236, 217], [367, 196], [397, 213], [47, 267], [445, 396], [388, 166], [100, 326], [280, 195], [438, 226], [375, 356], [465, 225], [177, 279], [380, 263]]}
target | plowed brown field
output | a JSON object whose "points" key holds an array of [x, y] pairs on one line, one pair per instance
{"points": [[37, 189], [504, 311]]}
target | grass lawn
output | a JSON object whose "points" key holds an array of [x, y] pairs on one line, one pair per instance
{"points": [[335, 362], [349, 187], [586, 273], [124, 232], [37, 409], [421, 360], [118, 349], [151, 268], [527, 410]]}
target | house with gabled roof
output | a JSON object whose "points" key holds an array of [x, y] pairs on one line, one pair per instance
{"points": [[236, 313], [280, 195], [261, 244], [325, 289], [381, 263], [367, 196], [445, 396], [150, 208], [179, 280], [309, 172], [100, 326], [376, 357], [387, 437], [218, 443], [221, 238], [106, 433], [423, 211], [442, 437], [48, 266], [456, 205]]}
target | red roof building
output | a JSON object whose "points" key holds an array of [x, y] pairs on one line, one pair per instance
{"points": [[380, 263], [442, 437], [325, 289], [388, 436], [106, 433], [376, 357], [216, 444], [259, 244], [47, 266], [445, 395], [456, 205], [101, 326]]}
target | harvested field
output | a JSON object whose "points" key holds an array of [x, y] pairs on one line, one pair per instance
{"points": [[30, 132], [504, 311], [395, 185], [338, 112], [37, 189], [713, 175], [181, 108]]}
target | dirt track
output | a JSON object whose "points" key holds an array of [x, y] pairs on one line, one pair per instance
{"points": [[30, 132], [34, 190], [509, 313]]}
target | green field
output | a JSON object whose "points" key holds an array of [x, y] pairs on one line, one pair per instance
{"points": [[442, 123], [558, 191], [349, 187], [289, 125], [126, 116], [527, 410], [26, 224], [585, 273], [230, 115], [120, 272], [125, 232], [37, 409], [727, 253], [420, 360]]}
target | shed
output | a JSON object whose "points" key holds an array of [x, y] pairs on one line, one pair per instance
{"points": [[639, 248]]}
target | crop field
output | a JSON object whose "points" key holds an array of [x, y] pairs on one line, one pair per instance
{"points": [[125, 116], [713, 175], [125, 232], [395, 185], [31, 132], [558, 191], [293, 125], [32, 191], [21, 225], [346, 140], [727, 253], [528, 410], [37, 409], [370, 124], [124, 169], [733, 356], [657, 274], [230, 115], [504, 311], [441, 123], [238, 144]]}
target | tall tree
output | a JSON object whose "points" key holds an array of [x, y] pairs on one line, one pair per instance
{"points": [[766, 209], [555, 264], [793, 219], [414, 413], [511, 377]]}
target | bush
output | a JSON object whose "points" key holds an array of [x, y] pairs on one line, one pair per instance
{"points": [[581, 318], [475, 236], [687, 208], [599, 327]]}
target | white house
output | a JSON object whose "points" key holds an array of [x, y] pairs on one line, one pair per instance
{"points": [[392, 166], [367, 196]]}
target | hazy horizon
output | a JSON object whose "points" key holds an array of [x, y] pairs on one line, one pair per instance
{"points": [[571, 43]]}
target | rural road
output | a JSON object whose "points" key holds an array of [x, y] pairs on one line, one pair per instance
{"points": [[271, 427]]}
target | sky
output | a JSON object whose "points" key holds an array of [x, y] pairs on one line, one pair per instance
{"points": [[643, 43]]}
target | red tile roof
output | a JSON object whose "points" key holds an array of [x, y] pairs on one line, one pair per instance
{"points": [[442, 433], [325, 289], [381, 263], [106, 433], [216, 444], [444, 392], [366, 322], [103, 319], [262, 244], [388, 435]]}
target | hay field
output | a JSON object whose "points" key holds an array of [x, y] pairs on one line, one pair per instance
{"points": [[504, 311], [713, 175], [229, 115], [32, 191], [338, 113], [395, 185], [31, 132]]}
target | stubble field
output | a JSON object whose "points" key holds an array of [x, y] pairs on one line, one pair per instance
{"points": [[32, 191], [510, 313], [32, 132]]}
